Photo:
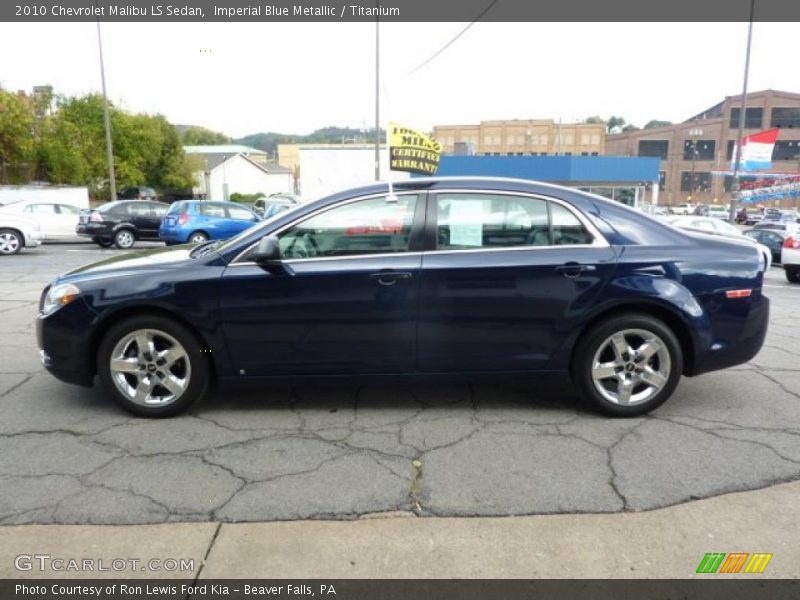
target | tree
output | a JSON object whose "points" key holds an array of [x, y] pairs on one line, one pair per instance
{"points": [[17, 149], [200, 136], [629, 127], [615, 122], [596, 120], [656, 123]]}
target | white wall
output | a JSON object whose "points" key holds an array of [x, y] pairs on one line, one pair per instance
{"points": [[245, 178], [327, 170], [30, 194]]}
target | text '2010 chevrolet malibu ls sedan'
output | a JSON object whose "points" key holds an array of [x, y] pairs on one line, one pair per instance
{"points": [[437, 276]]}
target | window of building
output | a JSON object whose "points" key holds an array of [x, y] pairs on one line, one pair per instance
{"points": [[567, 153], [594, 153], [662, 181], [785, 117], [595, 139], [586, 139], [786, 150], [699, 149], [372, 226], [753, 117], [699, 181], [658, 148], [584, 154]]}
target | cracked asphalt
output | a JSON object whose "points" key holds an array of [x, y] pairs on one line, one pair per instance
{"points": [[344, 450]]}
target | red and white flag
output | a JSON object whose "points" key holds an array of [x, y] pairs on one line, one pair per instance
{"points": [[757, 150]]}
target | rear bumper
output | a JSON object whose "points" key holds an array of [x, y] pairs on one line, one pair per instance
{"points": [[739, 328], [93, 230], [171, 235]]}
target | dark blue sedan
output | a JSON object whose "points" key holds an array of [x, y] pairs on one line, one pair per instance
{"points": [[198, 221], [443, 276]]}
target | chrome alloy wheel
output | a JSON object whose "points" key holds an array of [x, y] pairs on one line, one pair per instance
{"points": [[9, 243], [631, 366], [150, 367], [125, 239]]}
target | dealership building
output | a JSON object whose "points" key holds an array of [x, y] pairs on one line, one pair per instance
{"points": [[695, 155]]}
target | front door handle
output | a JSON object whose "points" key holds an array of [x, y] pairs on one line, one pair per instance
{"points": [[573, 269], [390, 277]]}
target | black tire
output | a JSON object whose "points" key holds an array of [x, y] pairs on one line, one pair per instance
{"points": [[124, 239], [667, 364], [195, 369], [792, 274], [103, 243], [11, 242], [197, 237]]}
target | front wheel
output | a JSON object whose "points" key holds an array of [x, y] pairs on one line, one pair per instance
{"points": [[124, 239], [103, 243], [152, 366], [628, 365], [11, 242], [792, 274]]}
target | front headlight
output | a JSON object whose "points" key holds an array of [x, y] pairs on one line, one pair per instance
{"points": [[60, 295]]}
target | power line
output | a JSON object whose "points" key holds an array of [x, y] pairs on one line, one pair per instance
{"points": [[452, 41]]}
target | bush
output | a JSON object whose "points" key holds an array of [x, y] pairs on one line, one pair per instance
{"points": [[237, 197]]}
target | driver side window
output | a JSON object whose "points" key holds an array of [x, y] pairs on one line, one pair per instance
{"points": [[373, 226]]}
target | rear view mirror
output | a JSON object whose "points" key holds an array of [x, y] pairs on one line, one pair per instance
{"points": [[267, 251]]}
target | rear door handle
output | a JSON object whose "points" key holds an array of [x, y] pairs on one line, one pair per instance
{"points": [[390, 277], [573, 269]]}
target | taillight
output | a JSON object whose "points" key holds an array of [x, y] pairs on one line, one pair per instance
{"points": [[183, 219], [792, 243], [739, 293], [95, 217]]}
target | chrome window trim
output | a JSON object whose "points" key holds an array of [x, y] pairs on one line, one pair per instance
{"points": [[598, 241]]}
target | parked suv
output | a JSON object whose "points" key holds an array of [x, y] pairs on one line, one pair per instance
{"points": [[197, 221], [122, 223]]}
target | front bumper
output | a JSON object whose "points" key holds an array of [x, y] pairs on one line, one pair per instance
{"points": [[64, 343]]}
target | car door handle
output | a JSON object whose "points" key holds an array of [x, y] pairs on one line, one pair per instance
{"points": [[573, 269], [390, 277]]}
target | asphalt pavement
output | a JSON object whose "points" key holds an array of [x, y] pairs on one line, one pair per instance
{"points": [[343, 450]]}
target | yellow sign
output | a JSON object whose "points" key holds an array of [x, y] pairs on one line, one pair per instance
{"points": [[412, 151]]}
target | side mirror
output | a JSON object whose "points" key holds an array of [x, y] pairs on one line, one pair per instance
{"points": [[267, 251]]}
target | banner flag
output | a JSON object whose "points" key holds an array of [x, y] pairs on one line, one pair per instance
{"points": [[412, 151], [757, 150]]}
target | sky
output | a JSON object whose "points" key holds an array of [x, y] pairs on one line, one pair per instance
{"points": [[242, 78]]}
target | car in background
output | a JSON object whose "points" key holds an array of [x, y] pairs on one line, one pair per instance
{"points": [[682, 209], [774, 225], [770, 238], [437, 276], [198, 221], [718, 212], [56, 220], [781, 216], [137, 193], [715, 226], [790, 253], [18, 232], [272, 205], [122, 222]]}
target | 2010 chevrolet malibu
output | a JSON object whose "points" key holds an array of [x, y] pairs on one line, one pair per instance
{"points": [[437, 276]]}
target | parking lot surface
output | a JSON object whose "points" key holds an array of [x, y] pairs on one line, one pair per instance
{"points": [[345, 449]]}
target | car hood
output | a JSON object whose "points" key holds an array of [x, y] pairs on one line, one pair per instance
{"points": [[133, 263]]}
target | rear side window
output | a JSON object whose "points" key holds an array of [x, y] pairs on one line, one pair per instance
{"points": [[67, 209], [41, 209], [472, 221], [212, 210]]}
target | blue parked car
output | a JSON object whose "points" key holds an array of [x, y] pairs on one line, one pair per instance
{"points": [[198, 221], [444, 276]]}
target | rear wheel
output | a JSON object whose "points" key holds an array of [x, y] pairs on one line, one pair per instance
{"points": [[628, 365], [792, 274], [198, 237], [11, 241], [152, 366], [124, 239]]}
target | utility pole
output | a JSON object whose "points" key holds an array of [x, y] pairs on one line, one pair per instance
{"points": [[742, 108], [112, 181], [377, 100]]}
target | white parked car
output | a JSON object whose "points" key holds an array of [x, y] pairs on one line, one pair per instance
{"points": [[56, 220], [790, 253], [718, 212], [18, 232], [717, 226], [682, 209]]}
